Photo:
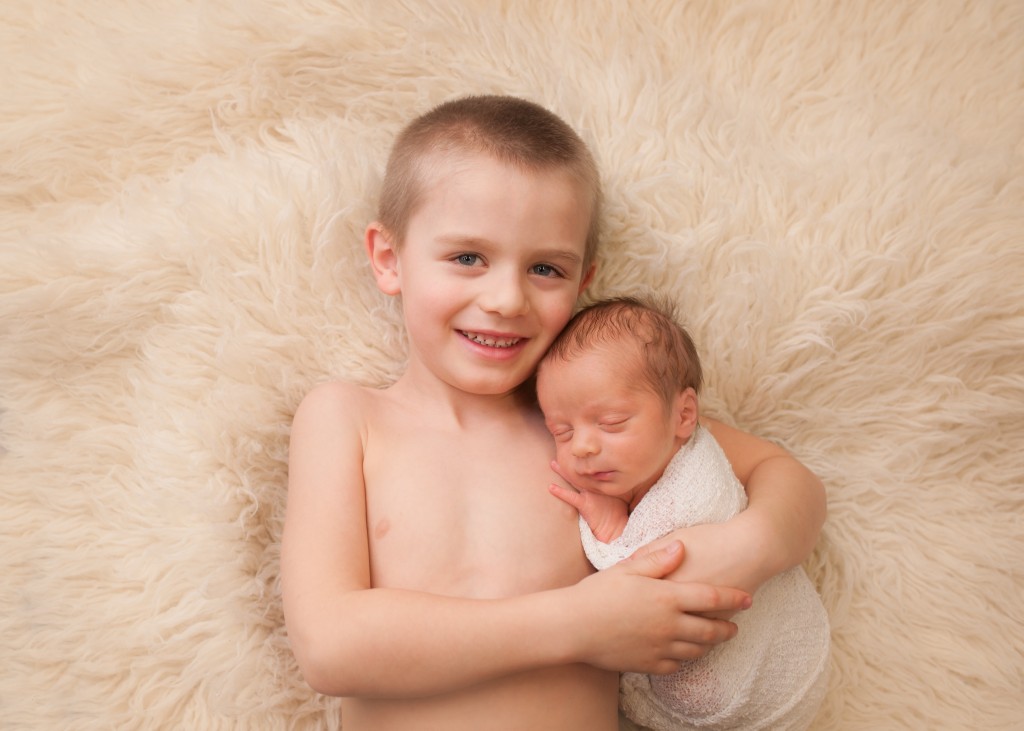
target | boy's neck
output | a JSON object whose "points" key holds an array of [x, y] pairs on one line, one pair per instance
{"points": [[460, 409]]}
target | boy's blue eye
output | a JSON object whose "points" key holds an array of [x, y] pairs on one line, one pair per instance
{"points": [[467, 259], [546, 270]]}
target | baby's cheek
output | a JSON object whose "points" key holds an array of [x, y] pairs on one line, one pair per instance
{"points": [[564, 462]]}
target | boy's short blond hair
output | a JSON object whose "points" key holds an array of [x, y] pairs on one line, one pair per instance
{"points": [[666, 358], [514, 131]]}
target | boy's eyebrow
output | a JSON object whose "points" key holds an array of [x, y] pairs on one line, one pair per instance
{"points": [[474, 242], [465, 239], [567, 256], [460, 241]]}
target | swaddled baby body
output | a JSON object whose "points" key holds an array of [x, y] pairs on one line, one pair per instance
{"points": [[619, 394]]}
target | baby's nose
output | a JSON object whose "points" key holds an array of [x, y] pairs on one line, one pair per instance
{"points": [[584, 444]]}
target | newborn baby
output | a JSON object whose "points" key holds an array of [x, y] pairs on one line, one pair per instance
{"points": [[619, 394]]}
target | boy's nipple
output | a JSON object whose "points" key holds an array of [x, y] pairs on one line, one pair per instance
{"points": [[381, 529]]}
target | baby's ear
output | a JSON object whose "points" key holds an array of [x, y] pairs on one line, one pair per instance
{"points": [[383, 258], [686, 412]]}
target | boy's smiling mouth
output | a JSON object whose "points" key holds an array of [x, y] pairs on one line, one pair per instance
{"points": [[491, 341]]}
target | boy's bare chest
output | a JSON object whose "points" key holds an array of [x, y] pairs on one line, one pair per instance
{"points": [[468, 516]]}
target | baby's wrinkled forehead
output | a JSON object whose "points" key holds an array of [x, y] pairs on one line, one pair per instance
{"points": [[620, 360], [624, 353]]}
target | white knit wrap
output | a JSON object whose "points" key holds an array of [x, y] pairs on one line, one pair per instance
{"points": [[773, 674]]}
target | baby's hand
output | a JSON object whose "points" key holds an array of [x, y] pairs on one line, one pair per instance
{"points": [[606, 516]]}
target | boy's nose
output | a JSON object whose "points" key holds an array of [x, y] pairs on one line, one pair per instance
{"points": [[504, 295]]}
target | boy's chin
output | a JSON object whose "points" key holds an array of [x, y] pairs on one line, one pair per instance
{"points": [[497, 388]]}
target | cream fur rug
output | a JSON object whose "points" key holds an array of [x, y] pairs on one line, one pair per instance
{"points": [[833, 192]]}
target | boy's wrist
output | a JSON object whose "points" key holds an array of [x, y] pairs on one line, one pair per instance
{"points": [[568, 641]]}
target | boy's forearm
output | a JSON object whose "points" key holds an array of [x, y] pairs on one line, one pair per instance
{"points": [[778, 530], [396, 643], [785, 512]]}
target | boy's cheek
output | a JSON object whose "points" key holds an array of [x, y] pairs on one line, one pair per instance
{"points": [[562, 313]]}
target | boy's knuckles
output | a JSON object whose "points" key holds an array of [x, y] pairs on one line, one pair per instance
{"points": [[708, 633], [712, 597]]}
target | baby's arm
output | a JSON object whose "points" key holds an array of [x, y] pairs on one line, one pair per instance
{"points": [[606, 516], [785, 512], [352, 639]]}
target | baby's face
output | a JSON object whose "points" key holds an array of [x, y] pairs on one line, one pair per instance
{"points": [[613, 434]]}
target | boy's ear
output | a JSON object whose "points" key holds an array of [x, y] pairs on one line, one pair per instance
{"points": [[383, 258], [686, 413], [588, 276]]}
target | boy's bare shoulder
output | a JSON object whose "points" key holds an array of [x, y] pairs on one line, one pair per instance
{"points": [[341, 393], [339, 402]]}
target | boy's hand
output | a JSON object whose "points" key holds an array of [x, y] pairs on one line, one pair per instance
{"points": [[606, 516], [638, 623], [727, 553], [722, 554]]}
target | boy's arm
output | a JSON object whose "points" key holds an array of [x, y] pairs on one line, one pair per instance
{"points": [[785, 512], [351, 639]]}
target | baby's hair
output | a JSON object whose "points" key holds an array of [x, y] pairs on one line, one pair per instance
{"points": [[513, 131], [666, 356]]}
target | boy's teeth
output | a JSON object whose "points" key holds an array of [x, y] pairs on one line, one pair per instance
{"points": [[491, 342]]}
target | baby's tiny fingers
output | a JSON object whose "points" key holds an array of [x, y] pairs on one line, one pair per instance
{"points": [[566, 496]]}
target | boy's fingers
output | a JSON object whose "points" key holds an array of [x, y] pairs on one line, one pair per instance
{"points": [[641, 552], [704, 598], [709, 634], [657, 564]]}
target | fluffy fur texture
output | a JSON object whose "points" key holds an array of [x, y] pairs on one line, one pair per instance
{"points": [[832, 192]]}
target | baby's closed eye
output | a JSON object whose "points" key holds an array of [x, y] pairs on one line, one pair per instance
{"points": [[561, 433], [615, 424]]}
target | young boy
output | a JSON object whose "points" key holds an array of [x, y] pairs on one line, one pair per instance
{"points": [[425, 576], [618, 390]]}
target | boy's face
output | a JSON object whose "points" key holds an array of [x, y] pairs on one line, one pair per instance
{"points": [[489, 272], [613, 434]]}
